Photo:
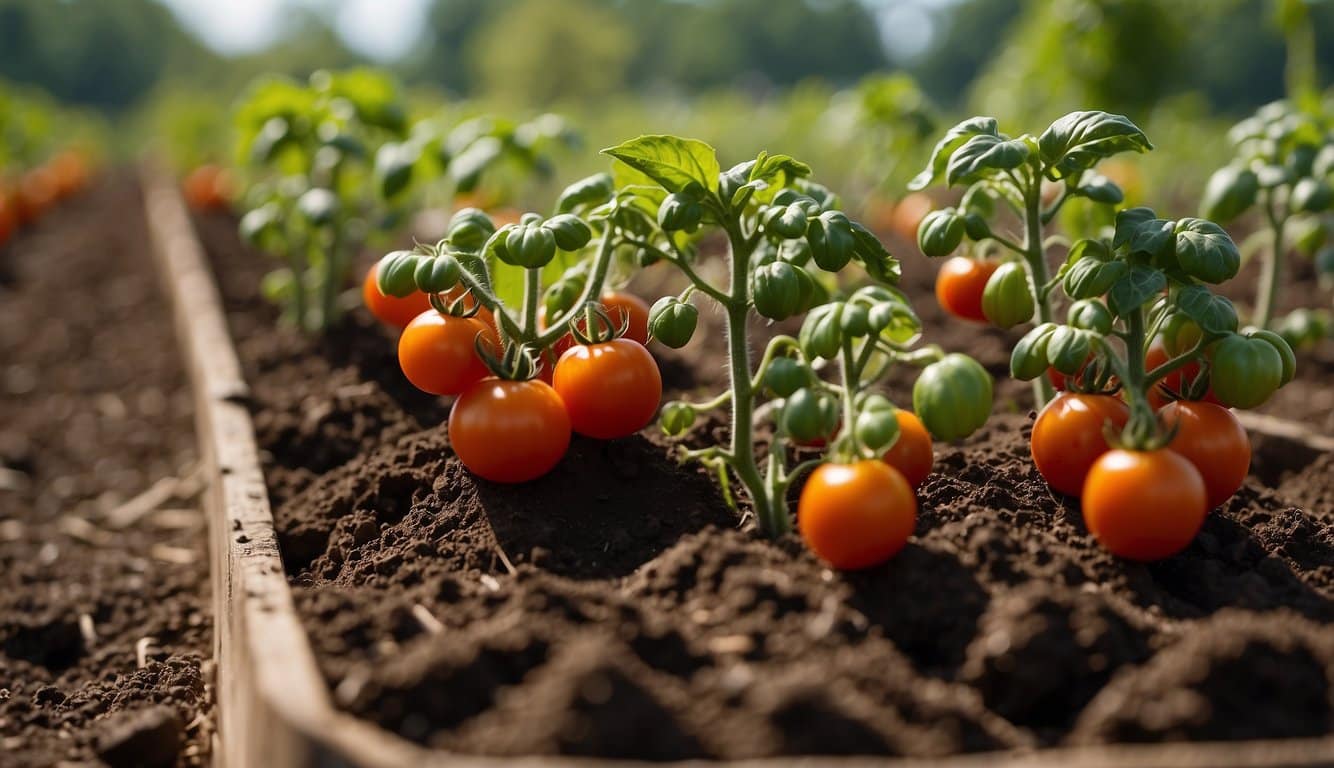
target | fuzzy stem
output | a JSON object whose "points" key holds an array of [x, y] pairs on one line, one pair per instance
{"points": [[1271, 267], [1035, 255]]}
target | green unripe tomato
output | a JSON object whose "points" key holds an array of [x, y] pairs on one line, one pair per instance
{"points": [[1006, 300], [1230, 191], [810, 415], [570, 231], [672, 321], [795, 252], [1284, 351], [1180, 333], [831, 240], [593, 190], [788, 223], [856, 320], [1028, 360], [822, 331], [1246, 371], [680, 211], [469, 229], [940, 232], [561, 296], [1090, 315], [877, 426], [1068, 349], [786, 375], [952, 397], [813, 292], [396, 274], [975, 226], [437, 274], [776, 290], [528, 245], [676, 418]]}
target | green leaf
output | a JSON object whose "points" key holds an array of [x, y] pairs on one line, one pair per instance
{"points": [[1076, 142], [1230, 191], [1214, 314], [1099, 189], [945, 148], [1139, 284], [1205, 251], [1128, 223], [1090, 270], [467, 166], [874, 256], [671, 161], [393, 167], [982, 153], [592, 190], [770, 167]]}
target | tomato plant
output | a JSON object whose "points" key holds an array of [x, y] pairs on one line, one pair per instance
{"points": [[1007, 174], [1284, 167], [856, 515], [1143, 312]]}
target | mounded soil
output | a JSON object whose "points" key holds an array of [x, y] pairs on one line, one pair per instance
{"points": [[617, 607], [105, 618]]}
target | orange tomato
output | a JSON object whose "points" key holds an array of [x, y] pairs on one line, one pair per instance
{"points": [[70, 169], [1211, 439], [610, 390], [1068, 437], [438, 353], [856, 515], [908, 214], [1144, 505], [392, 310], [36, 194], [1171, 385], [208, 188], [911, 454], [959, 286], [509, 431], [9, 218], [621, 307]]}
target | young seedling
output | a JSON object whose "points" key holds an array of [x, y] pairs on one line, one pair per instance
{"points": [[1284, 166], [786, 241], [1141, 498], [1001, 173]]}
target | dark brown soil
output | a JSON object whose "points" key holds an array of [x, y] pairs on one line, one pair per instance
{"points": [[639, 620], [94, 410]]}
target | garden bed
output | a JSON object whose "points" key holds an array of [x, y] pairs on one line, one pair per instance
{"points": [[105, 626], [614, 608]]}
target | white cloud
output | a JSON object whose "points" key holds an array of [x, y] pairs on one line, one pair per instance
{"points": [[381, 29]]}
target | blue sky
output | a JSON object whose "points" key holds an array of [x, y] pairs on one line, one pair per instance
{"points": [[383, 29]]}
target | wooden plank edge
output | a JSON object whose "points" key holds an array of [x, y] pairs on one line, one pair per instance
{"points": [[1272, 426], [275, 709]]}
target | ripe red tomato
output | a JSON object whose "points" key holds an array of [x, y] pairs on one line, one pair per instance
{"points": [[911, 453], [9, 218], [1144, 505], [509, 431], [611, 389], [438, 353], [1212, 439], [392, 310], [856, 515], [1068, 437], [959, 286]]}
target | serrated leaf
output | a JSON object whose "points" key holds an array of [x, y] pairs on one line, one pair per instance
{"points": [[1214, 314], [1139, 284], [671, 161], [945, 148], [985, 152], [1079, 140]]}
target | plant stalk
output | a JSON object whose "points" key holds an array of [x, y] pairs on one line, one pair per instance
{"points": [[1271, 267], [1035, 255]]}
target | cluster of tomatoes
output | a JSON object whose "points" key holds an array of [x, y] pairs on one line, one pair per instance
{"points": [[1144, 504], [511, 426], [40, 189]]}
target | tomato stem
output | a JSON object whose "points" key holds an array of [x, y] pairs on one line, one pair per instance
{"points": [[532, 290], [1271, 267], [1035, 256]]}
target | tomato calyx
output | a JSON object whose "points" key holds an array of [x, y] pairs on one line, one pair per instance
{"points": [[597, 326], [513, 362], [464, 305]]}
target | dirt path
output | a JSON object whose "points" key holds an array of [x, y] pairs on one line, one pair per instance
{"points": [[105, 627]]}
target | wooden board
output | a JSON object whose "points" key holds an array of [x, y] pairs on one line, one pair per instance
{"points": [[274, 707]]}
